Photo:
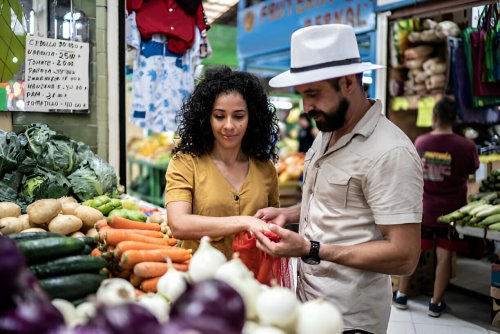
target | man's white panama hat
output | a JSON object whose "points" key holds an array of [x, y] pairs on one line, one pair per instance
{"points": [[320, 53]]}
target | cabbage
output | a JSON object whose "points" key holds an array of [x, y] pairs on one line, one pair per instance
{"points": [[93, 179], [11, 151], [37, 135], [58, 155]]}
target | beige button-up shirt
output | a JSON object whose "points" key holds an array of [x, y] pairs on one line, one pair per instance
{"points": [[371, 176]]}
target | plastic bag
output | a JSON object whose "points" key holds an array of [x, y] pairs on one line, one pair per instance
{"points": [[264, 267]]}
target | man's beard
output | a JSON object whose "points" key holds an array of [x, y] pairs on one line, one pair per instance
{"points": [[333, 120]]}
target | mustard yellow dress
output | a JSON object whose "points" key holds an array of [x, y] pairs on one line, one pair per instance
{"points": [[198, 180]]}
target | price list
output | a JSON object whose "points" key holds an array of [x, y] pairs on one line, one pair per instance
{"points": [[56, 74]]}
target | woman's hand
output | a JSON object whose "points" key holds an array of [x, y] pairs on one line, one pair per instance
{"points": [[254, 224], [272, 215], [291, 244]]}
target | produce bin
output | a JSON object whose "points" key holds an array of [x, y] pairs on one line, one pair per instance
{"points": [[147, 180], [290, 193]]}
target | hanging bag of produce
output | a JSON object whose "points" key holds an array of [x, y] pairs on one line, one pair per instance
{"points": [[264, 267], [492, 47], [478, 41]]}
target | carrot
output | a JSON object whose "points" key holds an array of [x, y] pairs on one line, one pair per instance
{"points": [[135, 280], [114, 236], [101, 225], [153, 269], [132, 257], [124, 274], [148, 233], [149, 285], [124, 223], [123, 246], [96, 252]]}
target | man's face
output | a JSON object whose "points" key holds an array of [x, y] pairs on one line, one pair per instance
{"points": [[325, 104]]}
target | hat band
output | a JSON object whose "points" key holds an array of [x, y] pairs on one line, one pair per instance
{"points": [[327, 64]]}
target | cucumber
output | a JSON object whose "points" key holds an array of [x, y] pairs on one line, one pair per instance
{"points": [[86, 250], [32, 236], [49, 248], [68, 265], [89, 241], [71, 287]]}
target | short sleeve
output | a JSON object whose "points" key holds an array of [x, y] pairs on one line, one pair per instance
{"points": [[474, 159], [394, 187], [274, 193], [180, 179]]}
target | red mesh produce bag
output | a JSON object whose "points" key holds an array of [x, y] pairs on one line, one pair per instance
{"points": [[264, 267]]}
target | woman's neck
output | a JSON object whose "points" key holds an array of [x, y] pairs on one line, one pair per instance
{"points": [[229, 157]]}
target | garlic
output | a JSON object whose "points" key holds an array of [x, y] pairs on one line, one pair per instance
{"points": [[233, 270], [156, 304], [278, 307], [320, 317], [115, 291], [206, 261], [172, 284], [267, 330]]}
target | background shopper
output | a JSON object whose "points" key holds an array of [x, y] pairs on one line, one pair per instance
{"points": [[448, 161], [306, 132], [222, 171], [362, 194]]}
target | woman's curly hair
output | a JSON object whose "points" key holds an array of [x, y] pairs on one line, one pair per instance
{"points": [[195, 131]]}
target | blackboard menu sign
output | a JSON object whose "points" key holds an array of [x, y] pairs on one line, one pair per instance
{"points": [[56, 74]]}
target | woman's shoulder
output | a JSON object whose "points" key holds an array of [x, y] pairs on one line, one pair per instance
{"points": [[188, 159], [266, 165]]}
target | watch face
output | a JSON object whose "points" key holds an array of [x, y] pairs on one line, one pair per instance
{"points": [[310, 260]]}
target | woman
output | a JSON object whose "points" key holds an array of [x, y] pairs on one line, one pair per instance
{"points": [[222, 171]]}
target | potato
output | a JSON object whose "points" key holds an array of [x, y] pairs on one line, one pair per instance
{"points": [[67, 199], [69, 208], [65, 224], [9, 209], [92, 232], [25, 222], [155, 218], [43, 211], [34, 229], [77, 234], [88, 215], [10, 225]]}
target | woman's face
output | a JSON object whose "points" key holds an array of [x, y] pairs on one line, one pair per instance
{"points": [[229, 120]]}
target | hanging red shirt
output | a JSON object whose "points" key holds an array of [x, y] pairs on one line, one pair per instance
{"points": [[166, 17]]}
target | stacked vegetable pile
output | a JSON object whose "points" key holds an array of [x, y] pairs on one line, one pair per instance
{"points": [[290, 168], [137, 251], [39, 163], [62, 264], [483, 210]]}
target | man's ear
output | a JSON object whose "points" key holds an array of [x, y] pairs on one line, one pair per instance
{"points": [[348, 83]]}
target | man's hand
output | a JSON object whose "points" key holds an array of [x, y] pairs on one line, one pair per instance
{"points": [[291, 244], [272, 215]]}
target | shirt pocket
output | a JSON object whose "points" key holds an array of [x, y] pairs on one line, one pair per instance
{"points": [[332, 187], [307, 161]]}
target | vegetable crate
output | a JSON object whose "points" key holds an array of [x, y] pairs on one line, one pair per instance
{"points": [[147, 180]]}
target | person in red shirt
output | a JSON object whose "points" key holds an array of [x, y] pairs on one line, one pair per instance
{"points": [[448, 159]]}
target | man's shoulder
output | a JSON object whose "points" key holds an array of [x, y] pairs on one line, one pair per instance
{"points": [[388, 136]]}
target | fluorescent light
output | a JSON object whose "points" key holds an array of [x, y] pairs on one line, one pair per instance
{"points": [[15, 60]]}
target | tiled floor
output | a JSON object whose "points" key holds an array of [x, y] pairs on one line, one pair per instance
{"points": [[468, 301]]}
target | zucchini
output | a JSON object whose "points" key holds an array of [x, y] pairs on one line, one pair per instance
{"points": [[49, 248], [490, 220], [71, 287], [68, 265], [492, 210], [86, 250], [32, 236]]}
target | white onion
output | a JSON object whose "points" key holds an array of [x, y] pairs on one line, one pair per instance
{"points": [[278, 307], [267, 330], [205, 261], [320, 317], [115, 291], [172, 284], [156, 304]]}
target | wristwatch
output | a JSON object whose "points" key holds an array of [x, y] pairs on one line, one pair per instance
{"points": [[313, 257]]}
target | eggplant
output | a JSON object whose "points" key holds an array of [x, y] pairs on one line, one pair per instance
{"points": [[12, 266], [207, 299], [126, 318]]}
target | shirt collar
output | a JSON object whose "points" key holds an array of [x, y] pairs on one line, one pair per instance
{"points": [[367, 124]]}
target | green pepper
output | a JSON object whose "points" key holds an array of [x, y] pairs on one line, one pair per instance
{"points": [[106, 208], [129, 214]]}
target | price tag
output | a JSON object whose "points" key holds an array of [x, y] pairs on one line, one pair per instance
{"points": [[424, 116], [56, 75]]}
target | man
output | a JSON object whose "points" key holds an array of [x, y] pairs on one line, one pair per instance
{"points": [[362, 194], [448, 161]]}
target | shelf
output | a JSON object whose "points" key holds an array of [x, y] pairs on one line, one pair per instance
{"points": [[478, 232]]}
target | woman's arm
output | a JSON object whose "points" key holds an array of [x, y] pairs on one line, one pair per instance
{"points": [[186, 226]]}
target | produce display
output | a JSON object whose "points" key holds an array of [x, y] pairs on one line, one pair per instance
{"points": [[38, 163], [290, 167], [484, 209]]}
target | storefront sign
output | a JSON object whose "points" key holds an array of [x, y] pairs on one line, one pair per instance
{"points": [[56, 74], [267, 26]]}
